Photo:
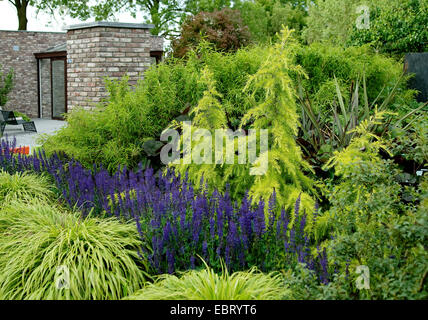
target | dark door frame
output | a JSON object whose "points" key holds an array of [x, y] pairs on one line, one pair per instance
{"points": [[61, 55]]}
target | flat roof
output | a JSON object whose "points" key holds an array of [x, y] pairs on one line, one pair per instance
{"points": [[110, 24]]}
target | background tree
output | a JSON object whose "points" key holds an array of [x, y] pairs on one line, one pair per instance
{"points": [[21, 10], [74, 8], [196, 6], [163, 14], [193, 7], [330, 20], [167, 16], [396, 27], [265, 18]]}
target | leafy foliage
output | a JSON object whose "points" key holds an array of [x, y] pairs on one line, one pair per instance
{"points": [[332, 104], [323, 62], [119, 133], [364, 146], [322, 135], [196, 6], [373, 223], [278, 112], [223, 28], [396, 27], [266, 18], [409, 142], [330, 20], [371, 219], [115, 134], [354, 119]]}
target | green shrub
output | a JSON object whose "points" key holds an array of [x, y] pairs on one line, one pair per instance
{"points": [[23, 187], [22, 115], [322, 134], [322, 62], [396, 27], [255, 16], [411, 144], [231, 73], [37, 239], [364, 190], [303, 284], [223, 28], [345, 86], [207, 285], [374, 222], [325, 66], [330, 21], [393, 250]]}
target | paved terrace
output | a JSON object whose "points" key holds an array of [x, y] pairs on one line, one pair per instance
{"points": [[43, 126]]}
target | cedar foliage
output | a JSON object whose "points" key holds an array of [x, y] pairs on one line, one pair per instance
{"points": [[278, 112], [275, 109]]}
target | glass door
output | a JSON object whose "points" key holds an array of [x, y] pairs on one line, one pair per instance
{"points": [[59, 94]]}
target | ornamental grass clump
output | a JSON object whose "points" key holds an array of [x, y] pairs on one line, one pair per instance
{"points": [[23, 187], [207, 285], [51, 254]]}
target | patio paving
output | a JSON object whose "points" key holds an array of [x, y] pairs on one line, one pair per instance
{"points": [[43, 126]]}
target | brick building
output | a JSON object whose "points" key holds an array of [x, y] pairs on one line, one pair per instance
{"points": [[55, 71]]}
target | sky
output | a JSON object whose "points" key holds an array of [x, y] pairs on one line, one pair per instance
{"points": [[45, 22]]}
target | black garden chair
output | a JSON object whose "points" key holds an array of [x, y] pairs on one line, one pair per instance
{"points": [[8, 117]]}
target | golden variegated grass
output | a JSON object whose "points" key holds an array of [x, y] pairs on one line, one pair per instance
{"points": [[23, 187], [36, 239], [207, 285]]}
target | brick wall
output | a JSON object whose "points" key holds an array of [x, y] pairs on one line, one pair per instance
{"points": [[94, 51], [104, 50], [24, 96], [156, 43]]}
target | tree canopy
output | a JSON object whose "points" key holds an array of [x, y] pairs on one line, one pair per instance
{"points": [[74, 8]]}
